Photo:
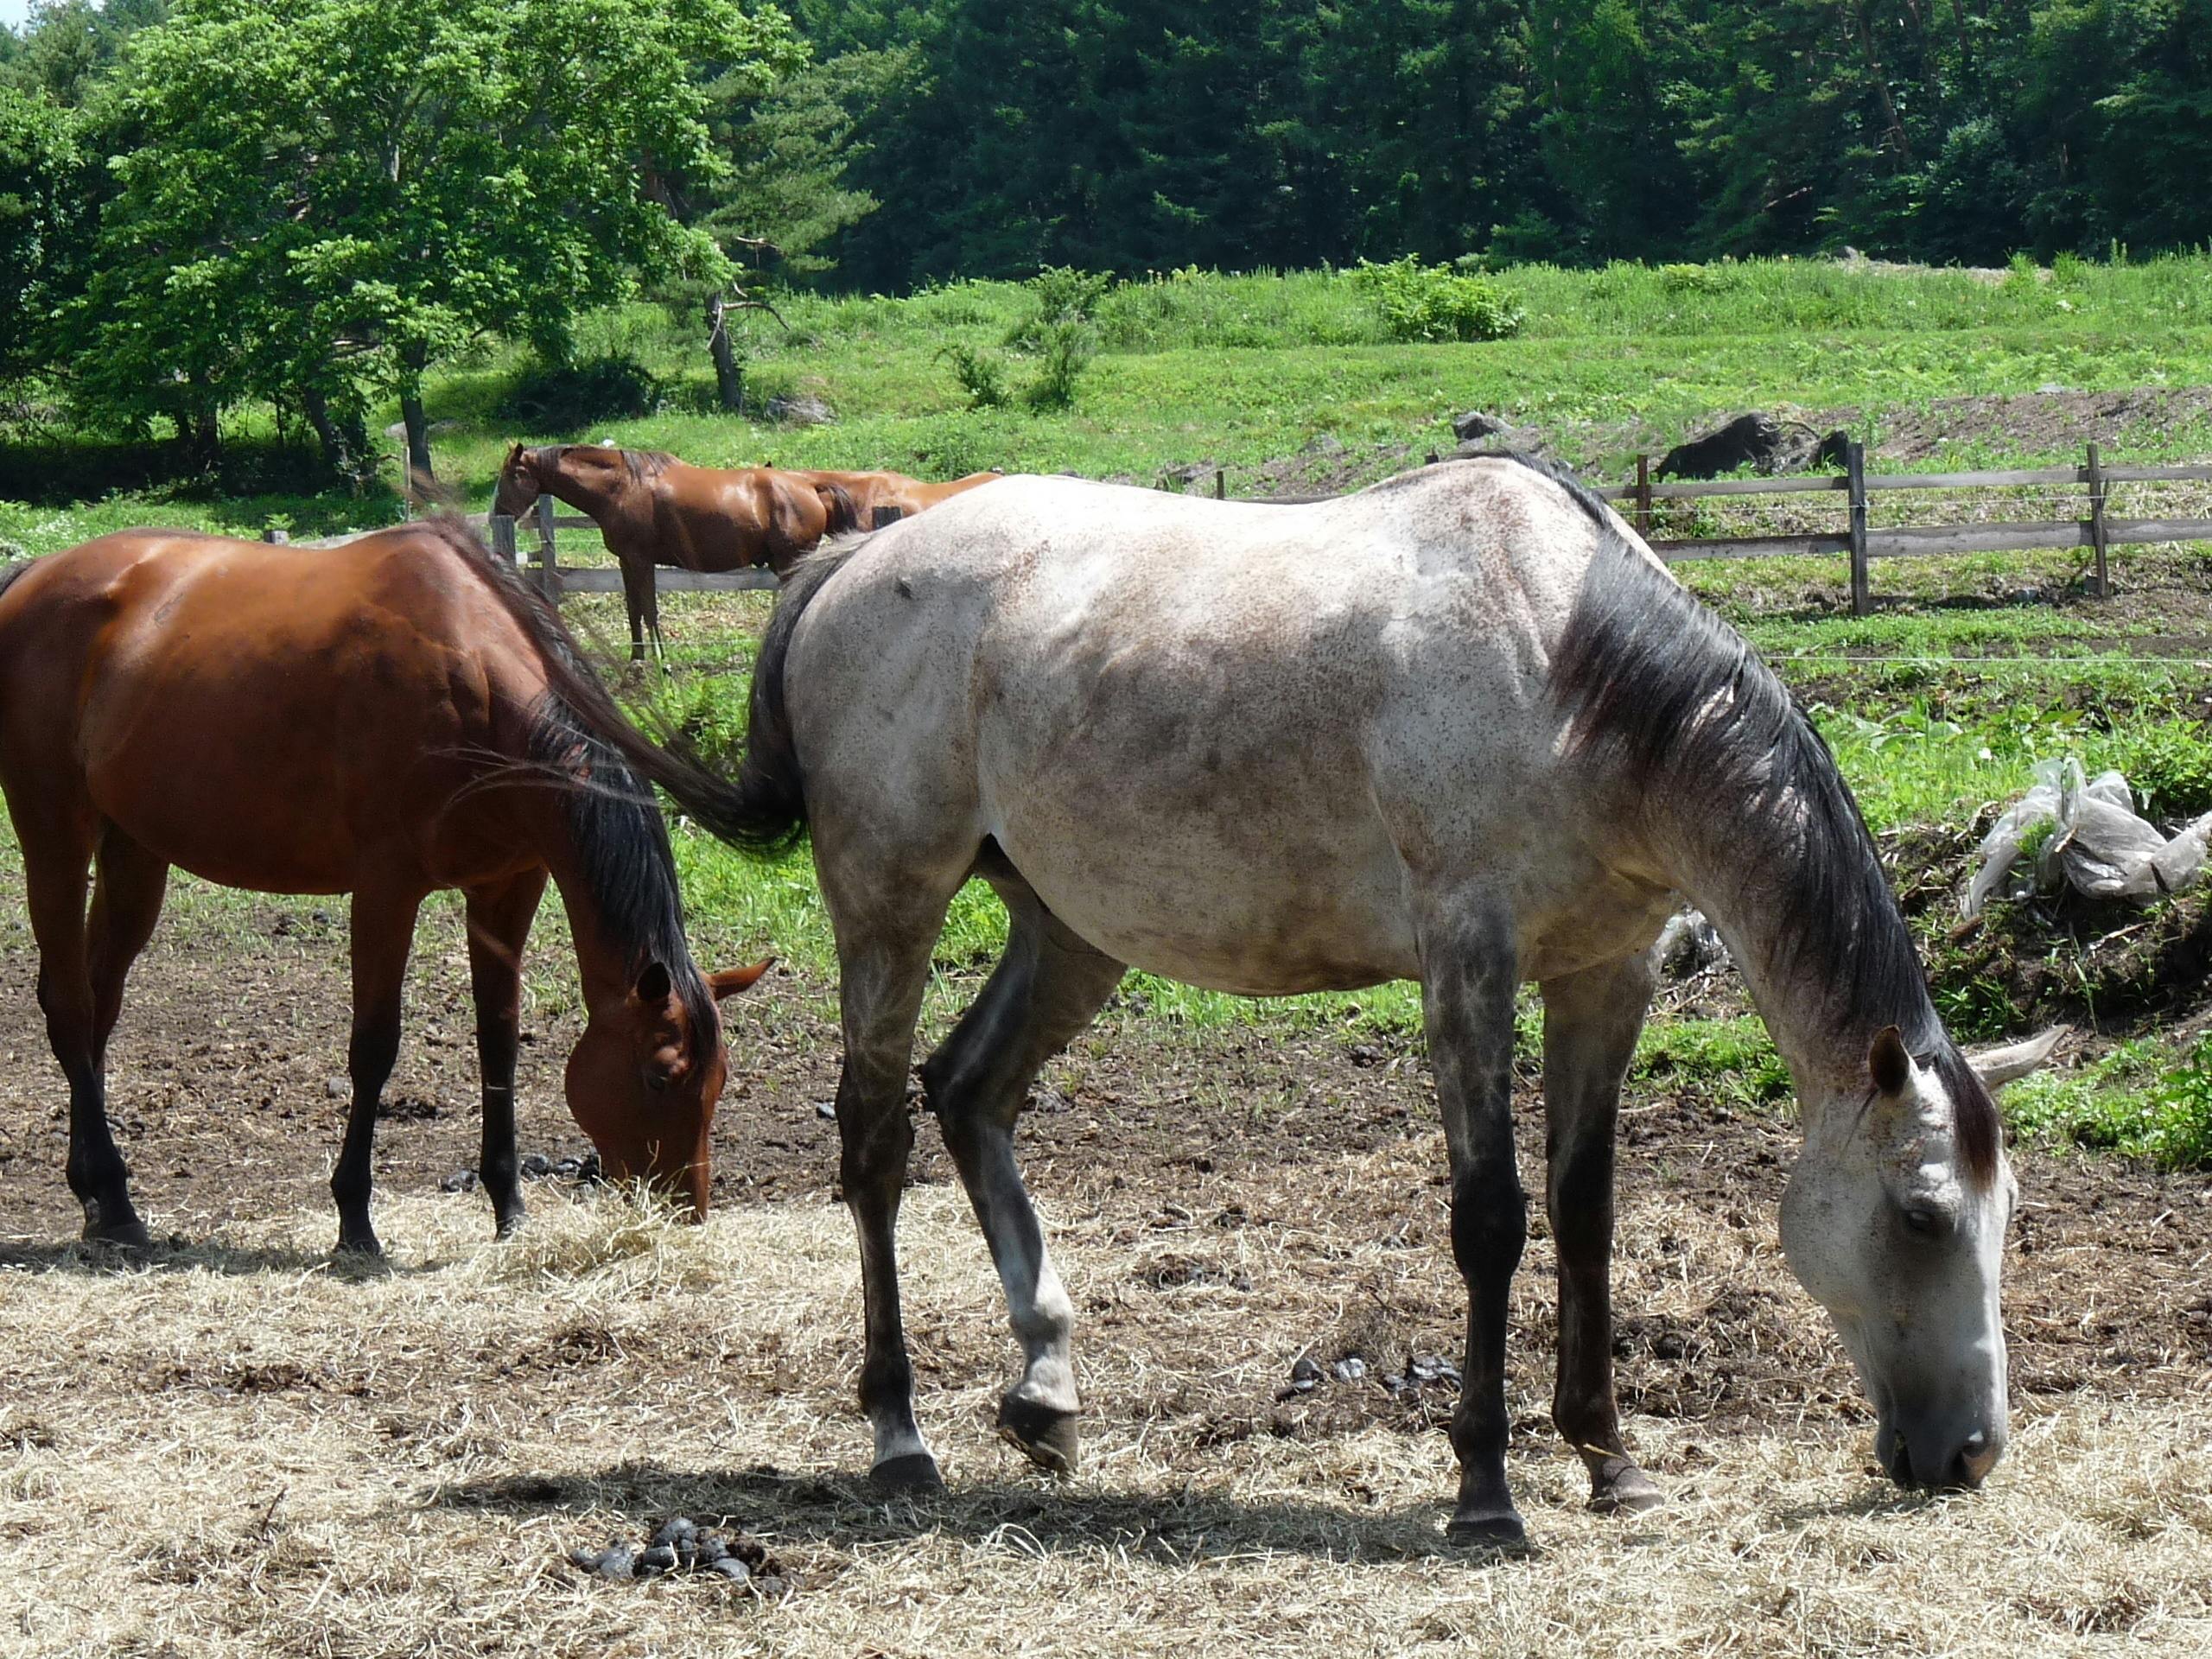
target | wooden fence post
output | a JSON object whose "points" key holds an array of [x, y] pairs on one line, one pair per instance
{"points": [[548, 563], [1643, 497], [2096, 482], [502, 538], [1220, 485], [884, 515], [1862, 597], [281, 537]]}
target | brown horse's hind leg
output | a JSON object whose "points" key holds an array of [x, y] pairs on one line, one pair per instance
{"points": [[1048, 986], [1591, 1022], [636, 582], [499, 923], [57, 845], [383, 928]]}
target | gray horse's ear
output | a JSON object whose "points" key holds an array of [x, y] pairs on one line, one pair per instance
{"points": [[1997, 1066], [1888, 1062]]}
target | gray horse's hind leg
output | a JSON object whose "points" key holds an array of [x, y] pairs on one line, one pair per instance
{"points": [[883, 967], [1468, 975], [1591, 1022], [1048, 986]]}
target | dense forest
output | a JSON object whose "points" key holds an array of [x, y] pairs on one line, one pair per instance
{"points": [[312, 201]]}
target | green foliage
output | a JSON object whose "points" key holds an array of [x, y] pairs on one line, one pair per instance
{"points": [[979, 374], [2168, 764], [559, 398], [42, 219], [364, 189], [2135, 1101], [1436, 303], [1733, 1058], [1064, 351]]}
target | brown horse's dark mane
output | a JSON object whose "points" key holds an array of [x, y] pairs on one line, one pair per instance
{"points": [[580, 736], [641, 465]]}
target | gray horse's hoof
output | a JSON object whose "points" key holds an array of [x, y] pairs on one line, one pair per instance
{"points": [[130, 1235], [1618, 1487], [1499, 1530], [365, 1245], [1046, 1437], [914, 1471]]}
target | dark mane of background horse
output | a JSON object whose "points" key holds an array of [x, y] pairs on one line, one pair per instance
{"points": [[579, 738], [1681, 702]]}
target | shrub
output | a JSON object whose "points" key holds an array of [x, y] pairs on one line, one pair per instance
{"points": [[1432, 302], [2169, 767], [979, 375], [1064, 351], [2177, 1129], [553, 396]]}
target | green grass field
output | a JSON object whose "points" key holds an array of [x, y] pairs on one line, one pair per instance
{"points": [[1243, 370]]}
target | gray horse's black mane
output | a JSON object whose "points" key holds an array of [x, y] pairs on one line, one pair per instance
{"points": [[1680, 701]]}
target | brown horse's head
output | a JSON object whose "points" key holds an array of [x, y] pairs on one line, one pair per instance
{"points": [[520, 486], [644, 1080]]}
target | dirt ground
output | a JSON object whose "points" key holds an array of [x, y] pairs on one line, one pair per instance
{"points": [[242, 1447], [227, 1077]]}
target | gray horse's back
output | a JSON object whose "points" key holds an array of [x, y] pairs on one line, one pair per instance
{"points": [[1223, 742]]}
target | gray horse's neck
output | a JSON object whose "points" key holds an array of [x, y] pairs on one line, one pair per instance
{"points": [[1823, 984]]}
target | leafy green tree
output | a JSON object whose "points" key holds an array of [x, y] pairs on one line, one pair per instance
{"points": [[331, 195], [42, 220]]}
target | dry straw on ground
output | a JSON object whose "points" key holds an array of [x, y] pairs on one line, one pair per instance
{"points": [[243, 1449]]}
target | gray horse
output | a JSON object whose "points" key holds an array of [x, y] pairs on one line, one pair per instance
{"points": [[1460, 727]]}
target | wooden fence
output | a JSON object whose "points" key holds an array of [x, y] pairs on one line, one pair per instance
{"points": [[2097, 530]]}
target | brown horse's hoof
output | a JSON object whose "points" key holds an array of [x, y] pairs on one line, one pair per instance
{"points": [[913, 1471], [1047, 1438], [1618, 1487], [1497, 1530]]}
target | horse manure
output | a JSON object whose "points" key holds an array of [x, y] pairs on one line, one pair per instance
{"points": [[1351, 1368], [461, 1180], [1305, 1371], [536, 1167], [680, 1546]]}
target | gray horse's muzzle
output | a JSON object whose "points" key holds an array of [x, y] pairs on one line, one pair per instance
{"points": [[1950, 1455]]}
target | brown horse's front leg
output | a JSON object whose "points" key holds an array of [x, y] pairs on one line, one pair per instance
{"points": [[383, 929], [499, 923], [636, 584], [1591, 1022]]}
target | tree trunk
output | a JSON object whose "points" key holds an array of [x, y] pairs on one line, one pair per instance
{"points": [[729, 374], [343, 438], [412, 359], [199, 434]]}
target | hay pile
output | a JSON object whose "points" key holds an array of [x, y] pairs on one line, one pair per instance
{"points": [[240, 1449]]}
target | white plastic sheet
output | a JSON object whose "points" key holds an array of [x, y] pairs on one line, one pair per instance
{"points": [[2096, 843]]}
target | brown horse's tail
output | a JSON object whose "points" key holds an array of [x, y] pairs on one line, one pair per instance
{"points": [[838, 502]]}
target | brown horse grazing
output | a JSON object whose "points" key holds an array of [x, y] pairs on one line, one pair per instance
{"points": [[908, 496], [654, 509], [384, 718]]}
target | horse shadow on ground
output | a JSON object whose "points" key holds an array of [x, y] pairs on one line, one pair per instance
{"points": [[1175, 1528], [177, 1255]]}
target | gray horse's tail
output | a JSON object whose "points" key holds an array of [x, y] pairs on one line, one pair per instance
{"points": [[765, 812]]}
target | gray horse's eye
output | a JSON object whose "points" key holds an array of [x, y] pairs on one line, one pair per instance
{"points": [[1927, 1222]]}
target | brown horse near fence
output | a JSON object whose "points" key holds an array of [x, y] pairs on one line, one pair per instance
{"points": [[872, 492], [384, 718], [655, 510]]}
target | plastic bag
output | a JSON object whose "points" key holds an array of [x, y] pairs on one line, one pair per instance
{"points": [[2097, 844]]}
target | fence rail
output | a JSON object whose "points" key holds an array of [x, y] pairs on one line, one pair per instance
{"points": [[1859, 542]]}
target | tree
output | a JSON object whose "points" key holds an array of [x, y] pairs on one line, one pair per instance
{"points": [[332, 196], [42, 220], [783, 194]]}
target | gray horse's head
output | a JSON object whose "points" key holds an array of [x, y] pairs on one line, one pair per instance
{"points": [[1894, 1221]]}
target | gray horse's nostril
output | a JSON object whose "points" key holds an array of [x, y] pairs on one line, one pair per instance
{"points": [[1976, 1459]]}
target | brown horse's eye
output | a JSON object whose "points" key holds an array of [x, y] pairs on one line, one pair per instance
{"points": [[657, 1082]]}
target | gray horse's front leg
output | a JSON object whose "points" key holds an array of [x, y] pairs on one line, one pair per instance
{"points": [[1591, 1022], [1469, 975], [1048, 986]]}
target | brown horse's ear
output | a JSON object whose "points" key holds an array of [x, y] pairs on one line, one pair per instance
{"points": [[730, 981], [1887, 1063], [514, 454], [654, 987]]}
